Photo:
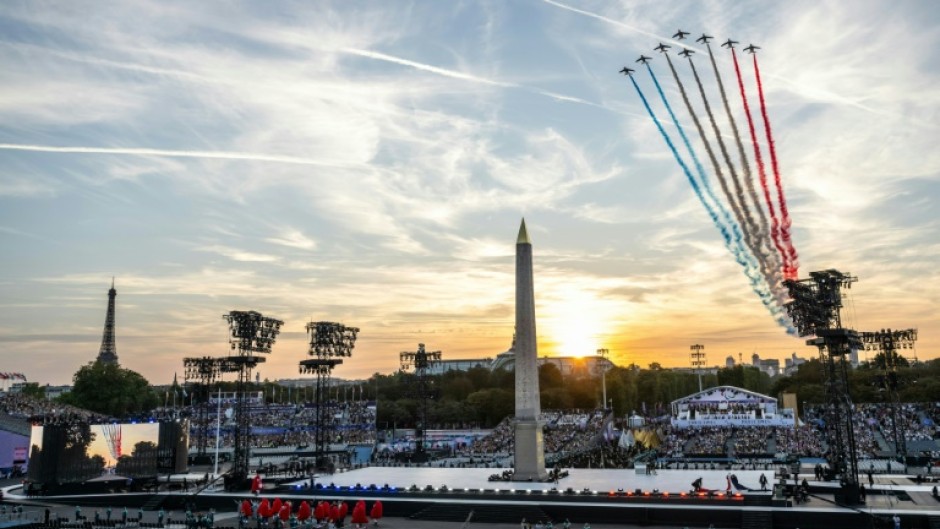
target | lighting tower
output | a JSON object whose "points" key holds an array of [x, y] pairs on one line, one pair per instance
{"points": [[330, 342], [108, 352], [697, 356], [202, 372], [420, 363], [888, 342], [815, 310], [250, 333], [602, 353]]}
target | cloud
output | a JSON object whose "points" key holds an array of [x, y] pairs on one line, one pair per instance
{"points": [[294, 239]]}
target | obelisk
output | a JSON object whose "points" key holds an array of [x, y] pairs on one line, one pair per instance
{"points": [[530, 448]]}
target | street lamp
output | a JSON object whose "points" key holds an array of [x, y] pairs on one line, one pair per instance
{"points": [[603, 354]]}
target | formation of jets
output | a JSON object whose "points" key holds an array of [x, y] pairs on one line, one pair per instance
{"points": [[686, 52]]}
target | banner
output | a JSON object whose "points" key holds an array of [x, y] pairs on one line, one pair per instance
{"points": [[728, 421]]}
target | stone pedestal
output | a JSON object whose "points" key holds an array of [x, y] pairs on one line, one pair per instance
{"points": [[530, 458]]}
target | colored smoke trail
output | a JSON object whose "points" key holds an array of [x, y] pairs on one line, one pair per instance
{"points": [[762, 172], [722, 180], [757, 283], [792, 272], [761, 247], [711, 155]]}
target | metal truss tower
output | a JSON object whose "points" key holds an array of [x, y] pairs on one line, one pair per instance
{"points": [[330, 342], [815, 310], [420, 363], [887, 342], [250, 333], [202, 373], [108, 352], [697, 357]]}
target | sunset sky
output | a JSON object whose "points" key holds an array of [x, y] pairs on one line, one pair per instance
{"points": [[369, 163]]}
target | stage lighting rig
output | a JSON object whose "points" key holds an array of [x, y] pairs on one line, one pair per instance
{"points": [[887, 342], [815, 308], [330, 343], [697, 357], [202, 372], [420, 364], [249, 333]]}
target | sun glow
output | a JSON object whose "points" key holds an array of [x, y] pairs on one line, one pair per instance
{"points": [[574, 323]]}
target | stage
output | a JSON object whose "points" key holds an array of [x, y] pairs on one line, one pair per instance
{"points": [[579, 479], [594, 495]]}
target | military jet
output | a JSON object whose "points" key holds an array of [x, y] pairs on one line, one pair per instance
{"points": [[680, 34], [626, 71], [704, 38], [686, 53], [752, 48], [662, 47], [644, 59], [729, 43]]}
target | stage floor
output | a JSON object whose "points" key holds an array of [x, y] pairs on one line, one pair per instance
{"points": [[673, 481]]}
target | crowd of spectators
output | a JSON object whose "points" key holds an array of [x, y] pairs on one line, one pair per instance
{"points": [[752, 441], [276, 425], [45, 411], [563, 432]]}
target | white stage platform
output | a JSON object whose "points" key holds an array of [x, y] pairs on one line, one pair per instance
{"points": [[673, 481]]}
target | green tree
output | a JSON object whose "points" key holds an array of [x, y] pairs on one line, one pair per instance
{"points": [[34, 390], [110, 389], [549, 376]]}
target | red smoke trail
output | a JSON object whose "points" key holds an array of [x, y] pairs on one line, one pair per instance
{"points": [[791, 273], [775, 222]]}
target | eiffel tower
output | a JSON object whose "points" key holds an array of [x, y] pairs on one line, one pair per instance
{"points": [[108, 352]]}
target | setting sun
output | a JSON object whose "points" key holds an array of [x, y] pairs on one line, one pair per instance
{"points": [[574, 325]]}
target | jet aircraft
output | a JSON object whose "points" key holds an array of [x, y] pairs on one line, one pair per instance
{"points": [[644, 59], [729, 43], [626, 71], [704, 38], [662, 47], [752, 48], [680, 34], [686, 52]]}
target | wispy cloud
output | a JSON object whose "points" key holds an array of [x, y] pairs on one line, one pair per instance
{"points": [[139, 151], [294, 239]]}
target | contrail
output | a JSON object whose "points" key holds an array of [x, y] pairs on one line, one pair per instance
{"points": [[722, 180], [757, 236], [137, 151], [766, 248], [776, 309], [784, 212], [618, 23], [762, 172], [757, 283], [708, 149], [369, 54]]}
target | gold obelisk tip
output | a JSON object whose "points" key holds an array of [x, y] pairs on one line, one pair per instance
{"points": [[523, 235]]}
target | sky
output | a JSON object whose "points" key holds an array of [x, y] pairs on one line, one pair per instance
{"points": [[369, 163]]}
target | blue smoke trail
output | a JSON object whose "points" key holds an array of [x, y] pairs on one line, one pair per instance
{"points": [[742, 258]]}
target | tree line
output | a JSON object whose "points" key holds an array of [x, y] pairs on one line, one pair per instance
{"points": [[482, 398]]}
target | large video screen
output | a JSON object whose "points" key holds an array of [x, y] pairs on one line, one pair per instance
{"points": [[68, 453]]}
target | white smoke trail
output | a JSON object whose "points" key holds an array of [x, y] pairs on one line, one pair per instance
{"points": [[143, 151]]}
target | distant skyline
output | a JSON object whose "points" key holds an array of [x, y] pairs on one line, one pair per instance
{"points": [[369, 163]]}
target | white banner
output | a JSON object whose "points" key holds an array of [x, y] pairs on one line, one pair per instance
{"points": [[729, 421]]}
